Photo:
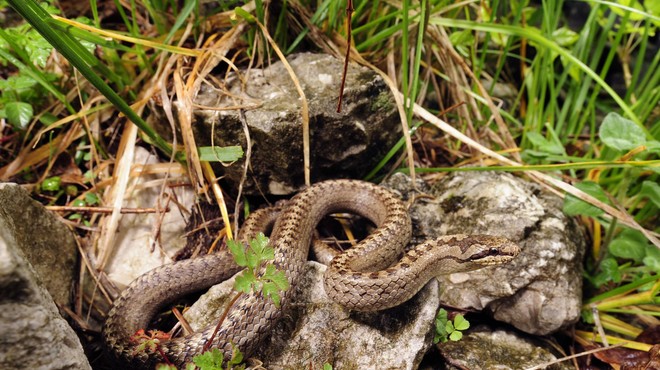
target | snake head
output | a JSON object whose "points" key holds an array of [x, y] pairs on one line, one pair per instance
{"points": [[463, 253], [486, 250]]}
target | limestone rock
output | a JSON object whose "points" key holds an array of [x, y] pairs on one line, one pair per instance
{"points": [[538, 292], [343, 145], [318, 331], [136, 251], [34, 335], [47, 243], [485, 348]]}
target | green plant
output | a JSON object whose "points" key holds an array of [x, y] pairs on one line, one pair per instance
{"points": [[28, 88], [253, 257], [446, 329], [212, 360], [149, 341], [622, 139], [271, 283], [220, 154], [88, 65]]}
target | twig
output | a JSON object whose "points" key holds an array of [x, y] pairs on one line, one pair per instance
{"points": [[182, 320], [546, 364], [222, 319], [105, 209], [349, 30]]}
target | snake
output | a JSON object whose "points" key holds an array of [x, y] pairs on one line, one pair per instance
{"points": [[375, 274]]}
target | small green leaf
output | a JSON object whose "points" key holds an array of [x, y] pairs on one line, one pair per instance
{"points": [[52, 183], [238, 252], [630, 244], [609, 272], [621, 133], [91, 199], [71, 190], [529, 154], [236, 359], [544, 144], [75, 216], [460, 323], [252, 258], [19, 114], [441, 316], [456, 336], [652, 258], [245, 15], [79, 203], [220, 154], [17, 83], [277, 276], [449, 327], [565, 37], [440, 329], [574, 206], [327, 366], [268, 253], [259, 243], [37, 48], [651, 190], [462, 38], [270, 289], [259, 251], [210, 360], [587, 316], [47, 118], [245, 281]]}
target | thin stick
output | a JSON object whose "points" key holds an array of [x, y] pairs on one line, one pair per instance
{"points": [[544, 365], [105, 209], [182, 320], [222, 318], [349, 28]]}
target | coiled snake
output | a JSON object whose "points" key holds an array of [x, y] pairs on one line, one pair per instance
{"points": [[368, 277]]}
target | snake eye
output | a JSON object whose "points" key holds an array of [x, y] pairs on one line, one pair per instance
{"points": [[493, 251]]}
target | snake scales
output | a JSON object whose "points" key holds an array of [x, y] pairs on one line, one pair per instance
{"points": [[369, 277]]}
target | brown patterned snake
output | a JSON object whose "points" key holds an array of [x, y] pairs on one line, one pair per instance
{"points": [[363, 278]]}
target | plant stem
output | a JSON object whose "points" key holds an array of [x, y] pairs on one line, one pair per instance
{"points": [[222, 318]]}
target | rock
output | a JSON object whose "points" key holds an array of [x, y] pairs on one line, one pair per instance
{"points": [[136, 251], [34, 335], [343, 145], [484, 348], [540, 291], [316, 330], [47, 244]]}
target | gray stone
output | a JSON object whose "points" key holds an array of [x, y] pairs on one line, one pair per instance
{"points": [[34, 335], [317, 331], [540, 291], [46, 242], [484, 348], [343, 145], [136, 250]]}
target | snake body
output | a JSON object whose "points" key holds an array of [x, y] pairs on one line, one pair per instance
{"points": [[370, 276]]}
